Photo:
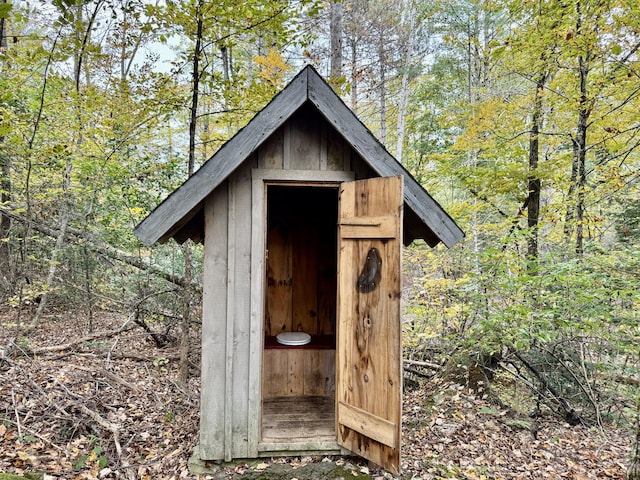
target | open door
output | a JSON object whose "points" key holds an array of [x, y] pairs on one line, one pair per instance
{"points": [[368, 351]]}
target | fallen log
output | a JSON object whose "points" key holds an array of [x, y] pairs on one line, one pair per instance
{"points": [[80, 237], [128, 325]]}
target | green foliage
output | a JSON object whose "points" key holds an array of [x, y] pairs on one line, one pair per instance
{"points": [[5, 9], [95, 458], [107, 143]]}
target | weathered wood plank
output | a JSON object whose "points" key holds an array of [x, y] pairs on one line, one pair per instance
{"points": [[324, 149], [303, 176], [214, 321], [295, 378], [295, 372], [271, 153], [240, 197], [305, 278], [279, 315], [230, 319], [256, 339], [364, 422], [275, 374], [327, 283], [337, 150], [304, 140], [319, 372], [374, 226], [303, 418]]}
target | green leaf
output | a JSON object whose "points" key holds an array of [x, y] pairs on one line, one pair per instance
{"points": [[5, 8]]}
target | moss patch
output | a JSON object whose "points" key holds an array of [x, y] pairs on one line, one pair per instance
{"points": [[311, 471], [13, 476]]}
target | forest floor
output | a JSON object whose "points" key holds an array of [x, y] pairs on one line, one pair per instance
{"points": [[110, 407]]}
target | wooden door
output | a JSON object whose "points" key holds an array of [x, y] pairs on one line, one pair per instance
{"points": [[368, 350]]}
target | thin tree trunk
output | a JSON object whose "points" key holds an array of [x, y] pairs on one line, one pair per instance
{"points": [[183, 369], [534, 183], [53, 261], [409, 26], [472, 153], [64, 219], [224, 54], [576, 206], [335, 29], [3, 29], [5, 220], [5, 181], [87, 285], [580, 151], [354, 76], [633, 471], [382, 90]]}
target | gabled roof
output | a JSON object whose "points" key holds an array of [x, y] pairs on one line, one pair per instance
{"points": [[186, 202]]}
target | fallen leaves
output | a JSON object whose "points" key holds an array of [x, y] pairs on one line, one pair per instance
{"points": [[457, 435], [447, 433]]}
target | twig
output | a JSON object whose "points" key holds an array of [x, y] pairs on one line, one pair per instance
{"points": [[111, 376], [432, 366], [37, 435], [590, 393], [108, 360], [112, 427], [587, 390], [570, 415], [522, 379], [15, 411]]}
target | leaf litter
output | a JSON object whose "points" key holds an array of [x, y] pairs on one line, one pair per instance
{"points": [[113, 409]]}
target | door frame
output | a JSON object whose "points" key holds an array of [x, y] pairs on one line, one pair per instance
{"points": [[260, 179]]}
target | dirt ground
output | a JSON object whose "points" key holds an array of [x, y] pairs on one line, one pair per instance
{"points": [[110, 407]]}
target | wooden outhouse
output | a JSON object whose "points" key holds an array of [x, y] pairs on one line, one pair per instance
{"points": [[303, 214]]}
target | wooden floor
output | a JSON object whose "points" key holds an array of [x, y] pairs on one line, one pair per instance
{"points": [[292, 419]]}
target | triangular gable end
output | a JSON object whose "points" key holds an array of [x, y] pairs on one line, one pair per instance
{"points": [[182, 205]]}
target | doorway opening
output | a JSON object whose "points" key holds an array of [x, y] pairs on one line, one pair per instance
{"points": [[298, 381]]}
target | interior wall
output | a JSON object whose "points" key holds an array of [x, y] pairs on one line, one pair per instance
{"points": [[302, 259]]}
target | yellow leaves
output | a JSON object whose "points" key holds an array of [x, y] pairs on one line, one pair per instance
{"points": [[273, 67]]}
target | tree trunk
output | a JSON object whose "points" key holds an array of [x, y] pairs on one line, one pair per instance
{"points": [[382, 89], [354, 75], [53, 261], [183, 369], [5, 182], [5, 220], [335, 33], [576, 206], [409, 26], [534, 184], [633, 471], [224, 54]]}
